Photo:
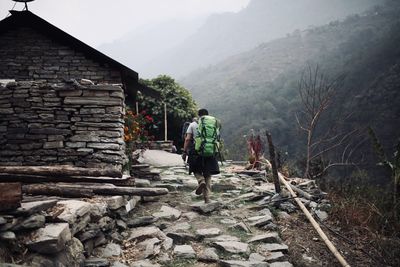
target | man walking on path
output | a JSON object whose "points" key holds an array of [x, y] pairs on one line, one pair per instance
{"points": [[202, 164]]}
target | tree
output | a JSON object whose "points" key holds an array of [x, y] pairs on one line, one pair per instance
{"points": [[317, 94], [393, 165], [180, 107]]}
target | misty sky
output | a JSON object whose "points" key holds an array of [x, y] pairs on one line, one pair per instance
{"points": [[100, 21]]}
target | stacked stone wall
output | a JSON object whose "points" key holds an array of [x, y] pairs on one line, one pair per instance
{"points": [[28, 55], [62, 124]]}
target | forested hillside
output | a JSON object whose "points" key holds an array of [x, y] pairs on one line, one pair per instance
{"points": [[258, 89]]}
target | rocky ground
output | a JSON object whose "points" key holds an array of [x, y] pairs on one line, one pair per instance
{"points": [[180, 230], [246, 224]]}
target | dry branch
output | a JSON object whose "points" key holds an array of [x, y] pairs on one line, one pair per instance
{"points": [[86, 190]]}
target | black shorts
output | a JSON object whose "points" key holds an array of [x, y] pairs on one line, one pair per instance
{"points": [[204, 165]]}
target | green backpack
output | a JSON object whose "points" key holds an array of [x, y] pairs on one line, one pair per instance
{"points": [[207, 138]]}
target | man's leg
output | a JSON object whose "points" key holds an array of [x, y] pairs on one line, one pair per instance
{"points": [[207, 189], [202, 183]]}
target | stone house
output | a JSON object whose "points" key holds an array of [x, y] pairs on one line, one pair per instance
{"points": [[64, 101]]}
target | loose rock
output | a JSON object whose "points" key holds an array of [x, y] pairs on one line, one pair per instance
{"points": [[206, 207], [209, 255], [168, 213], [184, 251], [233, 247], [266, 238], [235, 263], [50, 239], [210, 232], [275, 247]]}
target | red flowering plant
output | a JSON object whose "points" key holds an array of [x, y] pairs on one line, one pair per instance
{"points": [[136, 132], [255, 149]]}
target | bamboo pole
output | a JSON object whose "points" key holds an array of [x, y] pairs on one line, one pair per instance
{"points": [[314, 223], [165, 123]]}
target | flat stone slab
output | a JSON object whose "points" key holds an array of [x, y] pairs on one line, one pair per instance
{"points": [[115, 202], [141, 221], [179, 227], [144, 263], [181, 238], [72, 210], [281, 264], [209, 232], [206, 207], [275, 256], [32, 222], [209, 255], [266, 238], [256, 257], [111, 250], [274, 247], [259, 221], [234, 263], [30, 208], [50, 239], [184, 251], [168, 213], [151, 247], [241, 227], [142, 182], [96, 262], [7, 235], [222, 238], [160, 158], [233, 247], [228, 221], [142, 233]]}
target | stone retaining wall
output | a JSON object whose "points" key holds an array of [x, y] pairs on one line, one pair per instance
{"points": [[67, 123], [64, 232]]}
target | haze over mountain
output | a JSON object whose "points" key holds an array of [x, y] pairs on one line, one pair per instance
{"points": [[179, 48], [151, 42], [258, 89]]}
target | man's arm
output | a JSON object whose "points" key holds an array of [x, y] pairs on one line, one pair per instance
{"points": [[186, 145]]}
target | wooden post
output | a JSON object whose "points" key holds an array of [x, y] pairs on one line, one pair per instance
{"points": [[10, 196], [165, 123], [273, 163], [137, 107]]}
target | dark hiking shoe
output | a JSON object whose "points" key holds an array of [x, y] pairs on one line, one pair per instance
{"points": [[200, 188]]}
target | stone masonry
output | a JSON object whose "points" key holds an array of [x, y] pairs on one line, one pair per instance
{"points": [[65, 123], [26, 54]]}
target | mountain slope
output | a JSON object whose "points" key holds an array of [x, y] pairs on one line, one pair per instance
{"points": [[258, 89]]}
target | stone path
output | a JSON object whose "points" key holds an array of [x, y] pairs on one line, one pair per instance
{"points": [[235, 229]]}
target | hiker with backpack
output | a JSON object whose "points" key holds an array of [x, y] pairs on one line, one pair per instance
{"points": [[201, 146]]}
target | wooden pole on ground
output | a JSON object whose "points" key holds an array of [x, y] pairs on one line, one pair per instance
{"points": [[314, 223], [273, 163], [165, 123]]}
